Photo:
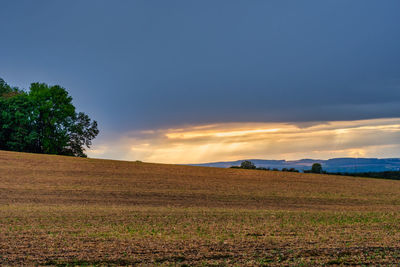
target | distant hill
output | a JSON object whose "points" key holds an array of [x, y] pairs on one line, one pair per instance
{"points": [[330, 165]]}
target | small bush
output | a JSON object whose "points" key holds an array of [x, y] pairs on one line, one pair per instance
{"points": [[247, 165]]}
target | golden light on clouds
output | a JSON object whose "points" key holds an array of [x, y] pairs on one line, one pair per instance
{"points": [[216, 133], [233, 141]]}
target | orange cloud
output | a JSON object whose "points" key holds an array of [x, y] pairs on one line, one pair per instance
{"points": [[233, 141]]}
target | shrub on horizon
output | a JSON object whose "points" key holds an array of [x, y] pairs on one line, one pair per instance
{"points": [[247, 165]]}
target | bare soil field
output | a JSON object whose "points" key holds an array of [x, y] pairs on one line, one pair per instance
{"points": [[65, 211]]}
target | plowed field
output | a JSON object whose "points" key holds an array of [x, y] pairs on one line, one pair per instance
{"points": [[69, 211]]}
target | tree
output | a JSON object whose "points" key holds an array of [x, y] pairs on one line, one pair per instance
{"points": [[17, 129], [247, 165], [54, 117], [43, 120], [316, 168], [82, 132]]}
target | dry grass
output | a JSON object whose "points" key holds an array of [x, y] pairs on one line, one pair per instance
{"points": [[69, 211]]}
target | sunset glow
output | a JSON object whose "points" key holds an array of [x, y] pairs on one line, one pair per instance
{"points": [[233, 141]]}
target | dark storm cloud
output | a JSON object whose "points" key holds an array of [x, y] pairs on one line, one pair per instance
{"points": [[151, 64]]}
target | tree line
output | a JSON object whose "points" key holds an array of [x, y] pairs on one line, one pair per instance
{"points": [[317, 168], [43, 120], [246, 164]]}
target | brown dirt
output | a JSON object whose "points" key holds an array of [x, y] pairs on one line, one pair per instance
{"points": [[70, 211]]}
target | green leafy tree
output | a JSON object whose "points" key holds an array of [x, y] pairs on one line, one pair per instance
{"points": [[17, 131], [55, 115], [43, 120]]}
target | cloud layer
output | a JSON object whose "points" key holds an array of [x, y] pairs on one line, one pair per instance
{"points": [[136, 65], [233, 141]]}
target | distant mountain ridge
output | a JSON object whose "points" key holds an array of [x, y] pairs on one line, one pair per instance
{"points": [[330, 165]]}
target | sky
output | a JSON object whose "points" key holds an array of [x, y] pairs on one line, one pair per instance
{"points": [[199, 81]]}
